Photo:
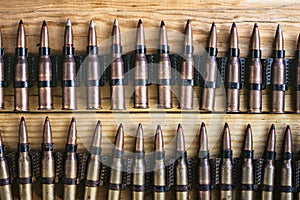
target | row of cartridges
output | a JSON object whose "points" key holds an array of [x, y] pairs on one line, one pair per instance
{"points": [[269, 185], [232, 81]]}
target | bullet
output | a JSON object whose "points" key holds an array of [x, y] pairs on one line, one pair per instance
{"points": [[70, 172], [278, 77], [210, 74], [226, 166], [181, 167], [24, 164], [116, 172], [69, 71], [286, 179], [2, 75], [21, 71], [255, 77], [204, 170], [187, 70], [141, 75], [268, 181], [247, 179], [5, 185], [93, 73], [139, 167], [233, 73], [47, 164], [117, 70], [45, 71], [94, 165], [159, 174], [297, 86], [164, 70]]}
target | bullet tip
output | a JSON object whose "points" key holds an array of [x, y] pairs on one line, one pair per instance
{"points": [[213, 24], [140, 125], [272, 127], [278, 27], [140, 21], [202, 124], [69, 22], [288, 127], [162, 24], [116, 23], [73, 119], [92, 25], [47, 118], [21, 21], [226, 125], [188, 21], [179, 126], [44, 23], [233, 25], [22, 119], [255, 25], [98, 122], [248, 126], [158, 127]]}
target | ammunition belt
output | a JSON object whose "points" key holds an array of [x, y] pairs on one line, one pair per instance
{"points": [[193, 164], [152, 59]]}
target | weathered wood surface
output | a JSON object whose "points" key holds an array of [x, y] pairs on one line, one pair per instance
{"points": [[175, 13]]}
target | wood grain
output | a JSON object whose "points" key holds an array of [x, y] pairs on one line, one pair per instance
{"points": [[175, 13]]}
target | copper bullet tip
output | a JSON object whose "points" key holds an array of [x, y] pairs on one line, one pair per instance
{"points": [[23, 138], [139, 139], [298, 45], [271, 139], [116, 23], [92, 25], [47, 133], [21, 40], [159, 140], [163, 38], [140, 35], [140, 22], [92, 37], [44, 36], [119, 141], [97, 138], [203, 140], [287, 146], [72, 136], [255, 39], [279, 42], [248, 142], [234, 37], [226, 138], [212, 40], [68, 38], [180, 143], [188, 41], [69, 22]]}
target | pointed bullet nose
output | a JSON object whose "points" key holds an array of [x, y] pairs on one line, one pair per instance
{"points": [[255, 39], [159, 142], [188, 40], [226, 138], [21, 37], [278, 28], [212, 40], [287, 140], [119, 141], [234, 43], [162, 24], [271, 139], [47, 133], [69, 22], [180, 143], [21, 21], [97, 138], [23, 138], [72, 136], [203, 141], [116, 23], [140, 35], [233, 25], [140, 22], [248, 142], [279, 41], [163, 38], [44, 23], [92, 25], [139, 139]]}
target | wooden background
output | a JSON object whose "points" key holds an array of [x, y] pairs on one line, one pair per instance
{"points": [[175, 13]]}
